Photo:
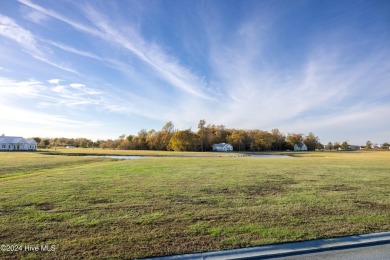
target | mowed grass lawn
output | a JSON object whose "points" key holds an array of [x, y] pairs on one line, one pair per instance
{"points": [[101, 208]]}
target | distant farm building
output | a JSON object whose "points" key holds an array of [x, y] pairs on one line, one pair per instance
{"points": [[222, 147], [355, 147], [16, 143], [300, 147]]}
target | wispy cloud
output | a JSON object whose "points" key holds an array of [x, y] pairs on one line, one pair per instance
{"points": [[72, 96], [52, 95], [4, 69], [19, 105], [77, 85], [29, 43], [54, 81], [321, 90], [31, 117], [59, 16], [33, 16], [10, 29], [74, 50], [10, 89], [167, 67], [45, 124]]}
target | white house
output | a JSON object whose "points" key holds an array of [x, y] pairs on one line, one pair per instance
{"points": [[16, 143], [222, 147], [300, 147]]}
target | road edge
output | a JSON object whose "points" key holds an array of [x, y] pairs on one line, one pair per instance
{"points": [[288, 249]]}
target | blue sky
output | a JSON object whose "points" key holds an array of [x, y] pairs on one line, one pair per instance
{"points": [[100, 69]]}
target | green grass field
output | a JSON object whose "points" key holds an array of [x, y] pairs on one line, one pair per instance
{"points": [[102, 208]]}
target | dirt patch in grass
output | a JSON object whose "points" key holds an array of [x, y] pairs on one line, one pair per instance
{"points": [[319, 210], [266, 188], [99, 201], [372, 205], [45, 206], [200, 199], [339, 187], [263, 189]]}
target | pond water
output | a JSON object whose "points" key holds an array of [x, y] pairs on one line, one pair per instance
{"points": [[268, 156], [132, 157], [122, 157]]}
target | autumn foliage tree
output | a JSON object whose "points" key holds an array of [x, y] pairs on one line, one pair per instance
{"points": [[293, 139], [237, 139], [311, 141], [184, 141]]}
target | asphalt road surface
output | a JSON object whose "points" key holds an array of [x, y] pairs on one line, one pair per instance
{"points": [[378, 252]]}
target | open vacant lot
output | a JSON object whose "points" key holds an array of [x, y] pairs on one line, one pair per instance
{"points": [[93, 207]]}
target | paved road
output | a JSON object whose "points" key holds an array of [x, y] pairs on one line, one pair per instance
{"points": [[379, 252], [367, 246]]}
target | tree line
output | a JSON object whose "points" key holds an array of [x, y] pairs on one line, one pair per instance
{"points": [[345, 146], [171, 139]]}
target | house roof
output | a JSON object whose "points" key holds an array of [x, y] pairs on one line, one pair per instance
{"points": [[300, 145], [15, 140], [221, 145], [10, 139], [31, 141]]}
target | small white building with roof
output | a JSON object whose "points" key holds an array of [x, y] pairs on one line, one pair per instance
{"points": [[223, 147], [300, 147], [17, 143]]}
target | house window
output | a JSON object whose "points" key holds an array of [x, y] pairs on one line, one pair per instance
{"points": [[3, 146]]}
